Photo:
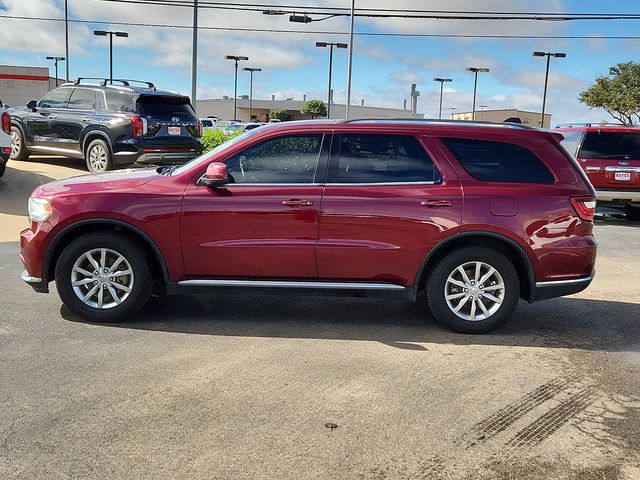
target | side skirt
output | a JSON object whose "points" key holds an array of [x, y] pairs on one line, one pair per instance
{"points": [[289, 288]]}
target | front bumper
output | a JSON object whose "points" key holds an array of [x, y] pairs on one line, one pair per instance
{"points": [[38, 284], [560, 288]]}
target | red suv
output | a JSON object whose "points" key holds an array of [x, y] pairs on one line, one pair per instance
{"points": [[610, 155], [475, 215]]}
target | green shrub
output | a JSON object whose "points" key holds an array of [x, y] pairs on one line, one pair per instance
{"points": [[279, 114], [212, 138]]}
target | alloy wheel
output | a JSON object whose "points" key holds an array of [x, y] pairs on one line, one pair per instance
{"points": [[16, 143], [474, 291], [102, 278], [98, 158]]}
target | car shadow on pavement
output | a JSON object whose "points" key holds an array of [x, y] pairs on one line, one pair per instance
{"points": [[15, 188], [562, 323]]}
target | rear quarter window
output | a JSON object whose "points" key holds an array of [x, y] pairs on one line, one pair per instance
{"points": [[492, 161], [572, 141]]}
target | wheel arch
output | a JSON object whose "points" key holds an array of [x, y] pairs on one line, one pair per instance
{"points": [[69, 233], [92, 135], [521, 260]]}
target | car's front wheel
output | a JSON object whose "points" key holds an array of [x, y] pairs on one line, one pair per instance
{"points": [[633, 212], [98, 157], [19, 150], [473, 289], [103, 277]]}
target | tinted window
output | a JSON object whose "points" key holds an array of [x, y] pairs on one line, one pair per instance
{"points": [[611, 145], [56, 99], [498, 161], [292, 159], [82, 99], [207, 123], [572, 141], [383, 159], [119, 101], [165, 107]]}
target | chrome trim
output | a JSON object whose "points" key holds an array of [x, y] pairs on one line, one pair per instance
{"points": [[125, 153], [592, 169], [28, 279], [623, 195], [227, 185], [290, 284], [622, 169], [564, 282], [66, 151], [382, 183]]}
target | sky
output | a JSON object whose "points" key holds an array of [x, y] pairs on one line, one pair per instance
{"points": [[384, 66]]}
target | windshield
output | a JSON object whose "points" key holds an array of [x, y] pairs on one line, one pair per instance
{"points": [[615, 145], [207, 156]]}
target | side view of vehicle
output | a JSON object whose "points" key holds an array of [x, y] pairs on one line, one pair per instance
{"points": [[5, 139], [610, 156], [475, 215], [108, 125]]}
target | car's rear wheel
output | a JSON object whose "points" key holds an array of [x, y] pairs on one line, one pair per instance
{"points": [[98, 157], [633, 212], [103, 277], [473, 290], [19, 150]]}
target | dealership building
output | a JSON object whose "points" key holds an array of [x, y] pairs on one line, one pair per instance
{"points": [[18, 85], [531, 119]]}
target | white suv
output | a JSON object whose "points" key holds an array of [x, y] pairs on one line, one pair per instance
{"points": [[5, 139]]}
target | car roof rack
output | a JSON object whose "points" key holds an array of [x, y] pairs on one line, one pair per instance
{"points": [[435, 121], [592, 124], [124, 82]]}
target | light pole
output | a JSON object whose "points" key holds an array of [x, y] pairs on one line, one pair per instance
{"points": [[442, 81], [194, 55], [330, 45], [66, 38], [475, 70], [55, 62], [235, 58], [482, 107], [453, 112], [350, 64], [251, 70], [546, 77], [103, 33]]}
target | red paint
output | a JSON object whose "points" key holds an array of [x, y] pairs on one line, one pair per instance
{"points": [[345, 232], [35, 78]]}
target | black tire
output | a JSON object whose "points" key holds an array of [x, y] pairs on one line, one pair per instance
{"points": [[3, 167], [437, 282], [633, 213], [22, 152], [141, 280], [98, 157]]}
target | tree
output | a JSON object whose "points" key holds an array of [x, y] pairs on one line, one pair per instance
{"points": [[618, 94], [314, 109], [279, 114]]}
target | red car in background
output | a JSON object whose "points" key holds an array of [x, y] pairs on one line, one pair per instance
{"points": [[474, 215], [610, 156]]}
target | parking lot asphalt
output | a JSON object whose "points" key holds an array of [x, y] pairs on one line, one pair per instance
{"points": [[229, 387]]}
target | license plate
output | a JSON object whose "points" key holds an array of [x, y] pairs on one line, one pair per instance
{"points": [[174, 130], [622, 176]]}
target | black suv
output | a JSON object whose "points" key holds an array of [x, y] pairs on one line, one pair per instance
{"points": [[108, 125]]}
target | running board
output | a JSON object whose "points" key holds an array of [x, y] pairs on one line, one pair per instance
{"points": [[286, 287]]}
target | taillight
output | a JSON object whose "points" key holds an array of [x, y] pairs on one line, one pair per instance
{"points": [[585, 207], [6, 123], [138, 126], [199, 128]]}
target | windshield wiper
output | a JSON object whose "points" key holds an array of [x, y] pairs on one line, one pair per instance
{"points": [[167, 170]]}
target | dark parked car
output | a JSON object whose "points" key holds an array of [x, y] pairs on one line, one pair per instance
{"points": [[108, 125], [610, 156], [5, 139], [475, 215]]}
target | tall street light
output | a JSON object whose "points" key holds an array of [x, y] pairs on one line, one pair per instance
{"points": [[55, 62], [194, 55], [546, 77], [251, 70], [453, 111], [475, 70], [103, 33], [66, 37], [482, 107], [350, 64], [330, 45], [236, 59], [442, 81]]}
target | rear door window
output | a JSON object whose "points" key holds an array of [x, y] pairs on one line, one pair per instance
{"points": [[611, 145], [491, 161], [82, 99], [378, 158], [165, 107]]}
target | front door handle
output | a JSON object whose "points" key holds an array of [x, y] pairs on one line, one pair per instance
{"points": [[51, 117], [297, 203], [435, 203]]}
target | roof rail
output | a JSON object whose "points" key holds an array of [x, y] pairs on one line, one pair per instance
{"points": [[592, 124], [435, 121], [106, 81]]}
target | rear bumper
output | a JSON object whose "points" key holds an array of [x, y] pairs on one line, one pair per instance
{"points": [[618, 196], [560, 288], [167, 157]]}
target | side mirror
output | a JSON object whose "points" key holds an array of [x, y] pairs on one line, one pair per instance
{"points": [[215, 176], [32, 105]]}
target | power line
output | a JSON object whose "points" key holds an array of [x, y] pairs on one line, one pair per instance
{"points": [[329, 32]]}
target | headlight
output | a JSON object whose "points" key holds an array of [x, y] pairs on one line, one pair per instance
{"points": [[39, 209]]}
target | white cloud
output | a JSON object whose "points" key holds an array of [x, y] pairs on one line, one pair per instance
{"points": [[406, 77]]}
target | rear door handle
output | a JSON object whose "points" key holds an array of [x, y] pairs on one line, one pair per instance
{"points": [[86, 120], [297, 203], [435, 203]]}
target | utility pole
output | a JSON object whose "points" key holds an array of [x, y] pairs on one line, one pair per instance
{"points": [[66, 39], [194, 55], [350, 64]]}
